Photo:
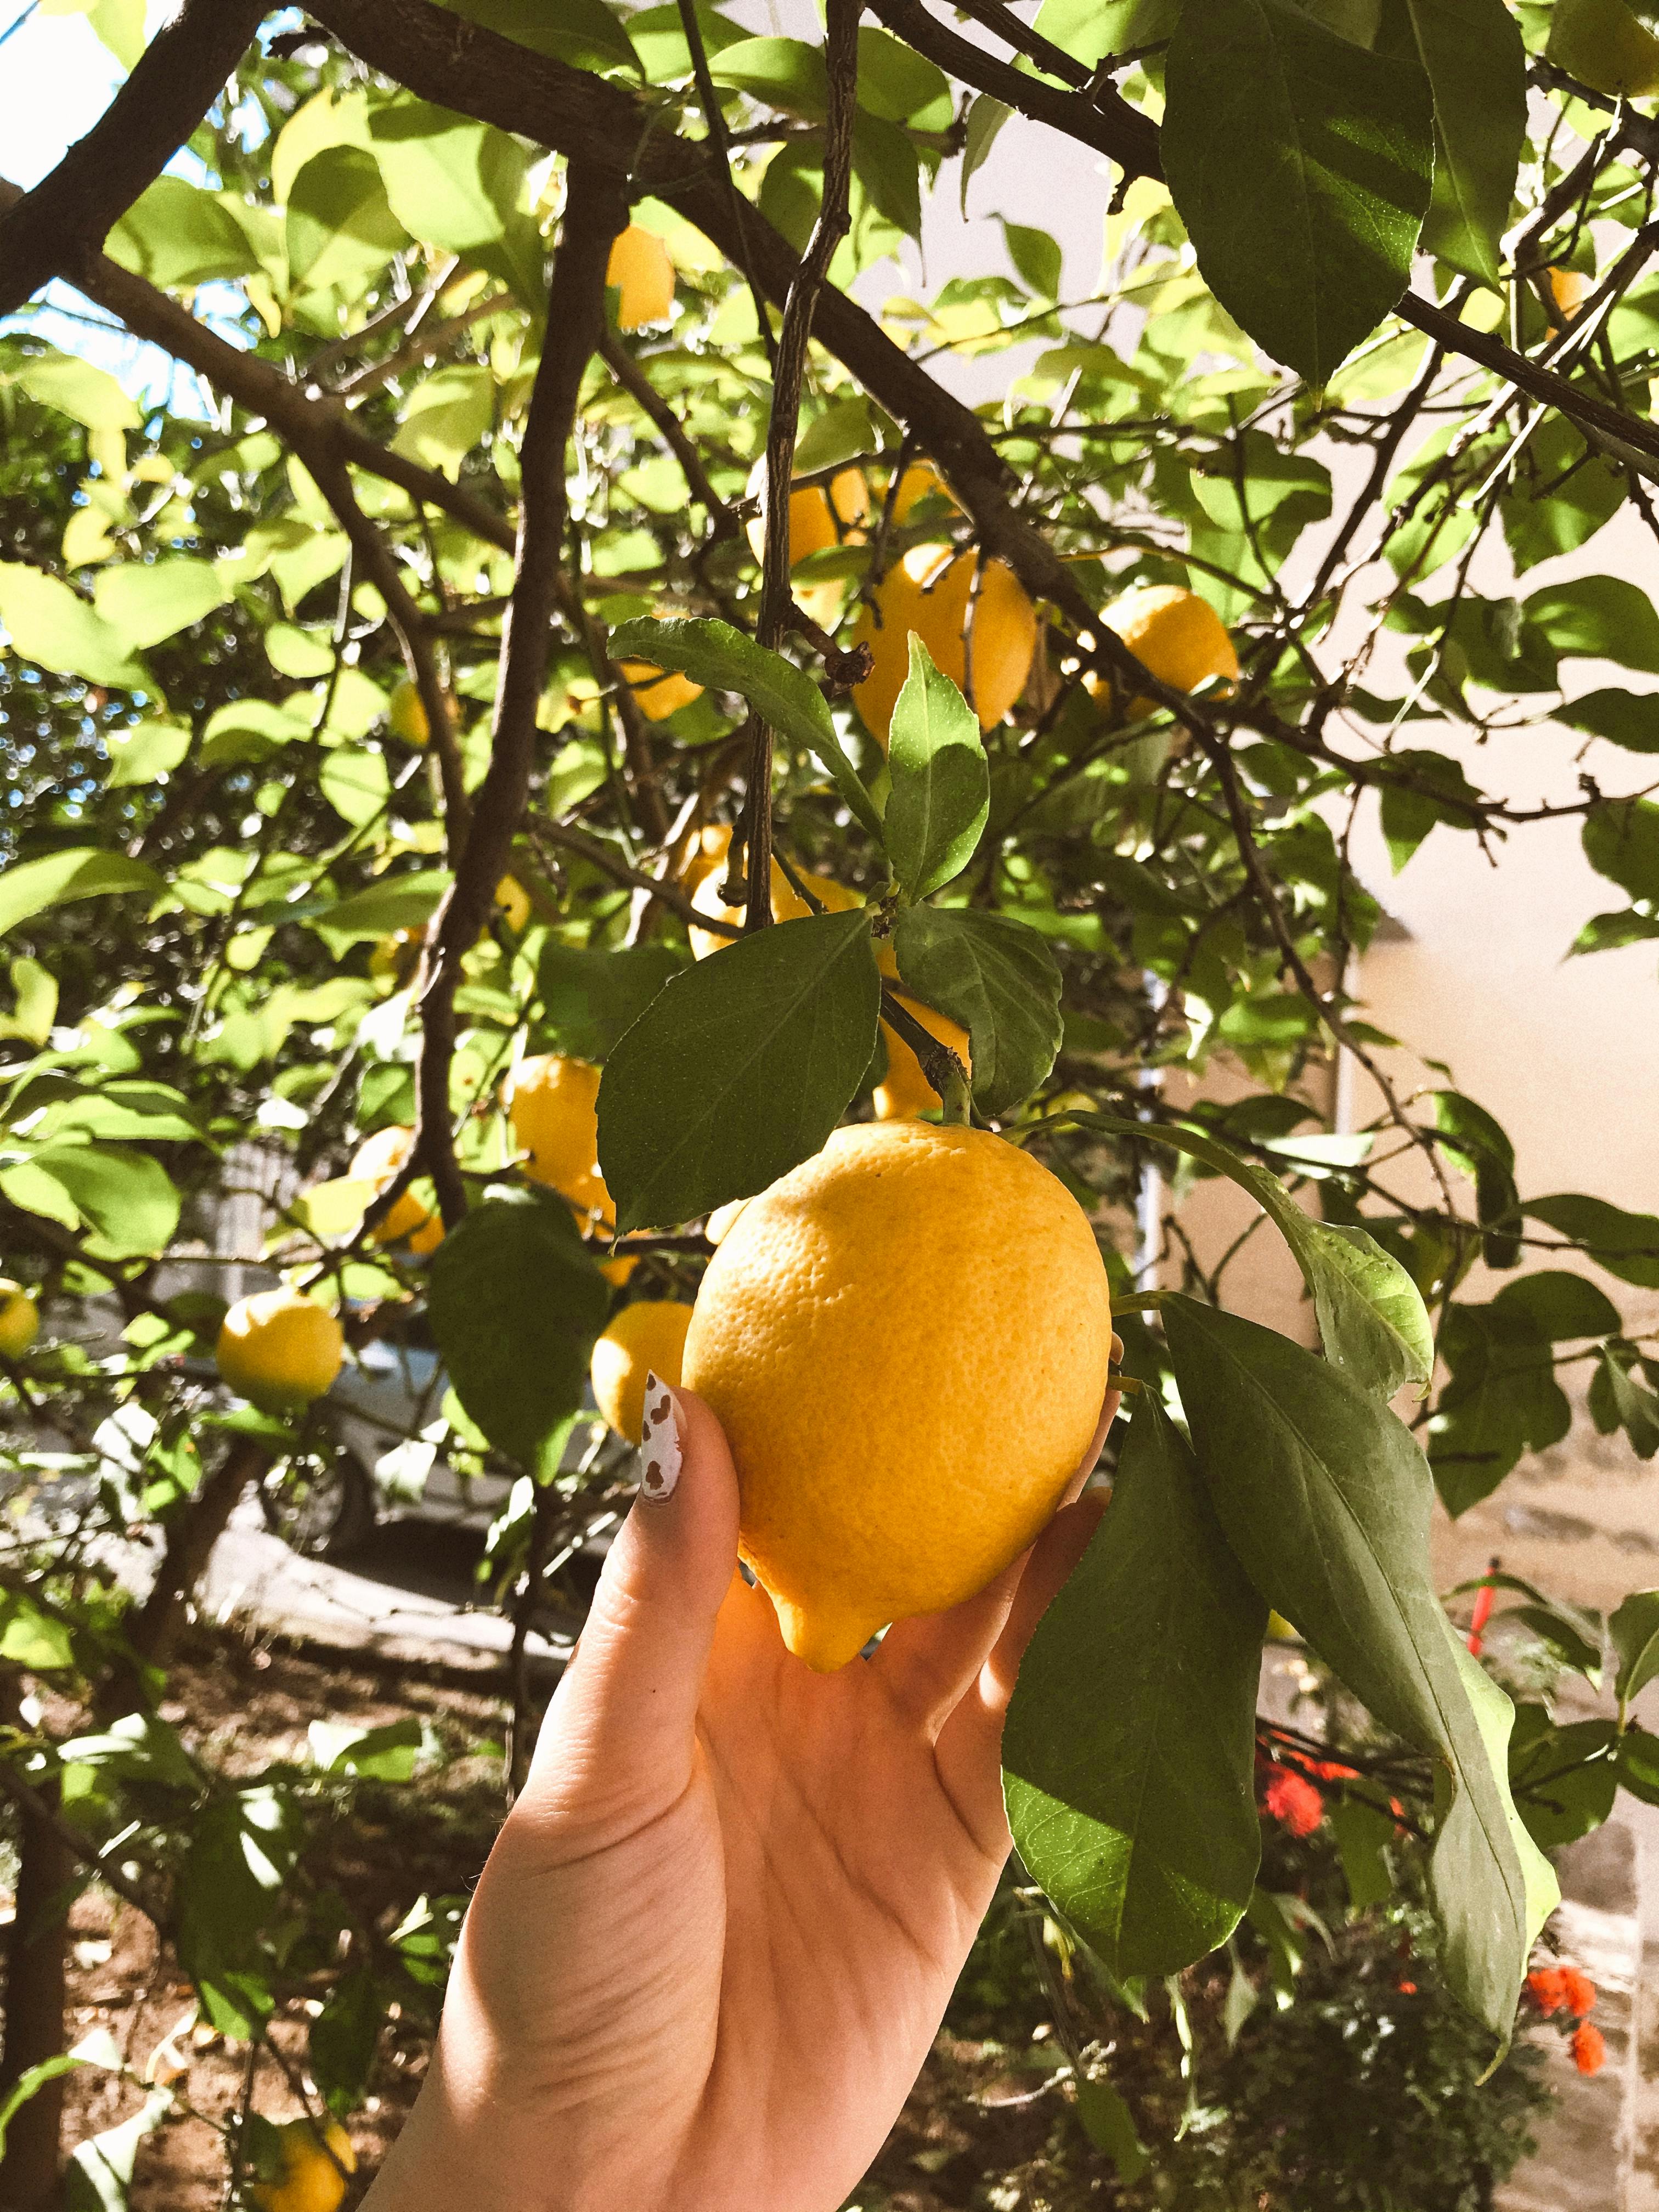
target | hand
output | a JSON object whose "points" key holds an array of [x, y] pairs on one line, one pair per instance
{"points": [[719, 1929]]}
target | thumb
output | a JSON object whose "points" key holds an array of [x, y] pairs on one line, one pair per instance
{"points": [[620, 1733]]}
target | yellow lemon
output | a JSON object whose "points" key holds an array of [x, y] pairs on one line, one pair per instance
{"points": [[618, 1270], [376, 1160], [907, 1341], [512, 901], [1605, 46], [904, 1092], [280, 1349], [706, 853], [310, 2181], [718, 1227], [20, 1319], [1179, 636], [661, 693], [1568, 290], [550, 1103], [394, 958], [647, 1338], [814, 513], [920, 481], [641, 270], [787, 904], [987, 632], [406, 716]]}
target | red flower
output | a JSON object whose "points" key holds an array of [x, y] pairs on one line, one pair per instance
{"points": [[1548, 1988], [1408, 1989], [1294, 1803], [1577, 1991], [1589, 2049], [1479, 1618]]}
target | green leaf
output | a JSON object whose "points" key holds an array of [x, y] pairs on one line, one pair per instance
{"points": [[1638, 1764], [590, 998], [355, 781], [341, 229], [1128, 1755], [395, 903], [722, 659], [145, 601], [1563, 1779], [1364, 1832], [1372, 1320], [344, 2034], [126, 1199], [52, 626], [387, 1753], [941, 794], [997, 979], [1621, 842], [447, 416], [842, 430], [36, 993], [460, 184], [516, 1304], [80, 871], [31, 1637], [1325, 1498], [87, 395], [1598, 618], [783, 73], [177, 234], [1477, 69], [900, 85], [738, 1069], [1563, 1306], [1634, 1629], [1625, 1244], [1500, 1400], [146, 754], [985, 120], [583, 32], [1036, 257], [1301, 165], [1482, 1148], [1638, 1408], [1630, 719], [1089, 30], [1110, 2125]]}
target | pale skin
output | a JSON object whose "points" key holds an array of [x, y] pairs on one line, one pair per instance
{"points": [[719, 1929]]}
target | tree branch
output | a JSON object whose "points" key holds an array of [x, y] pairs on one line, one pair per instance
{"points": [[597, 209], [177, 79], [640, 388]]}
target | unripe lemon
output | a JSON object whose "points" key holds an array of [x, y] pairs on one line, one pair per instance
{"points": [[280, 1349], [787, 904], [994, 628], [550, 1103], [907, 1341], [647, 1338], [661, 692], [905, 1091], [20, 1319], [1568, 288], [310, 2181], [1179, 636], [1604, 46], [641, 270], [376, 1160], [512, 901], [406, 716]]}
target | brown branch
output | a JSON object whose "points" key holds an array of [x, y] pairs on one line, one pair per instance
{"points": [[176, 80], [598, 854], [639, 388], [419, 348], [714, 122], [596, 210]]}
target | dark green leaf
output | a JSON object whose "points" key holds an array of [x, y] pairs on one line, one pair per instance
{"points": [[516, 1304], [941, 794], [1560, 495], [1408, 815], [1621, 842], [1129, 1750], [1625, 1244], [1638, 1764], [1301, 167], [1482, 1148], [1477, 69], [1563, 1306], [590, 998], [1364, 1832], [1550, 1624], [1325, 1498], [1638, 1408], [583, 32], [343, 2036], [1035, 255], [738, 1069], [1563, 1779], [997, 979], [1500, 1401], [395, 903], [1611, 933], [722, 659], [1630, 719], [1110, 2125], [1634, 1629]]}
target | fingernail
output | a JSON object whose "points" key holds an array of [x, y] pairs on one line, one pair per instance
{"points": [[659, 1441]]}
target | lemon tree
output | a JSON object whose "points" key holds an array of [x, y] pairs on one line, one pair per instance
{"points": [[536, 721]]}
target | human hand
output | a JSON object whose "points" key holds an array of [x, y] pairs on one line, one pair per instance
{"points": [[719, 1929]]}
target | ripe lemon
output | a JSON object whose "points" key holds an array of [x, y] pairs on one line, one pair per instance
{"points": [[20, 1319], [641, 270], [996, 629], [550, 1102], [280, 1349], [904, 1092], [787, 904], [376, 1160], [514, 901], [813, 515], [310, 2181], [920, 481], [706, 853], [661, 692], [1568, 289], [616, 1271], [907, 1341], [405, 714], [395, 958], [645, 1338], [1179, 636], [1605, 46], [718, 1227]]}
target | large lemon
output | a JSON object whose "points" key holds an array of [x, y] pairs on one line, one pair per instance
{"points": [[310, 2181], [905, 1091], [787, 904], [1177, 635], [550, 1103], [20, 1319], [907, 1341], [818, 518], [1569, 289], [1604, 46], [641, 270], [647, 1338], [280, 1349], [994, 627], [376, 1160]]}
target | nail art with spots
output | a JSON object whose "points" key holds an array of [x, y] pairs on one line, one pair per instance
{"points": [[659, 1442]]}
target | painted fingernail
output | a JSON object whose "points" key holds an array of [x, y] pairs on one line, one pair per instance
{"points": [[661, 1455]]}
